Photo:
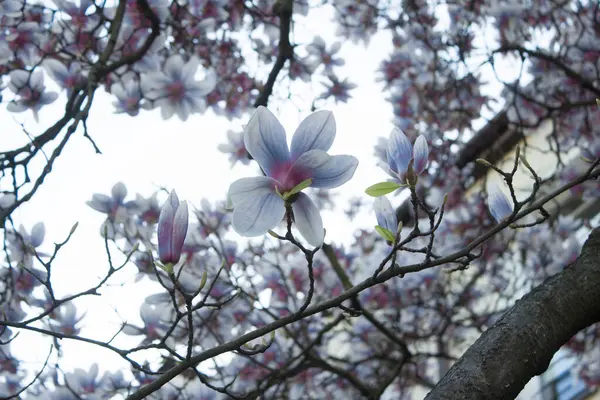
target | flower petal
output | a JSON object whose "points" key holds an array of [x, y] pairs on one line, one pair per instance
{"points": [[37, 234], [180, 227], [257, 216], [100, 202], [173, 199], [315, 132], [326, 171], [399, 151], [420, 154], [498, 202], [264, 138], [386, 216], [250, 189], [165, 231], [308, 220], [119, 192]]}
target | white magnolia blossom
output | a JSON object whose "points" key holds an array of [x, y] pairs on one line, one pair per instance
{"points": [[30, 90], [175, 89]]}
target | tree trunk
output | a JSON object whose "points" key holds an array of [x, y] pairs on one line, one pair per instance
{"points": [[521, 344]]}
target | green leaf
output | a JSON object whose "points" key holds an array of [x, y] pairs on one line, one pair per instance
{"points": [[298, 188], [385, 233], [382, 188], [598, 102], [168, 268]]}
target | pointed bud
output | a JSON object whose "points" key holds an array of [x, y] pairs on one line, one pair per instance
{"points": [[172, 229], [483, 162], [204, 279], [74, 228]]}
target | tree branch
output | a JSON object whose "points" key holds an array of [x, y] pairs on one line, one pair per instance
{"points": [[285, 50]]}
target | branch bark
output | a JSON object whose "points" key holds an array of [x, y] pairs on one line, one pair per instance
{"points": [[521, 344]]}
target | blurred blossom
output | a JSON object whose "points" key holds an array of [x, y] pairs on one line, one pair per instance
{"points": [[235, 148], [318, 50], [128, 97], [31, 92], [66, 77], [339, 90], [154, 325], [175, 89], [20, 244], [65, 320]]}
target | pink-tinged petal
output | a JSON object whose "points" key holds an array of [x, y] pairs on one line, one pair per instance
{"points": [[119, 192], [326, 171], [165, 232], [499, 204], [420, 154], [256, 217], [385, 213], [308, 220], [250, 189], [315, 132], [264, 138], [399, 151], [180, 227]]}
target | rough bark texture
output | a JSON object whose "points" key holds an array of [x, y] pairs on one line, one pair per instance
{"points": [[521, 344]]}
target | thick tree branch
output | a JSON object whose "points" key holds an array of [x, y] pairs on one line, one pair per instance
{"points": [[522, 343]]}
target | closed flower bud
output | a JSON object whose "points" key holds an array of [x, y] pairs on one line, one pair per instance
{"points": [[172, 229]]}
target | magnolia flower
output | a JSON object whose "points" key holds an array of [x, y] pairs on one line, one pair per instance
{"points": [[235, 148], [401, 155], [318, 49], [82, 381], [175, 89], [67, 78], [339, 90], [23, 245], [128, 97], [172, 229], [65, 320], [498, 202], [113, 206], [31, 92], [259, 203]]}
